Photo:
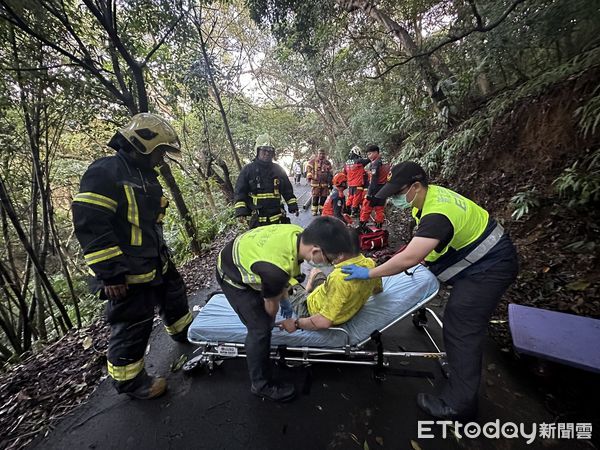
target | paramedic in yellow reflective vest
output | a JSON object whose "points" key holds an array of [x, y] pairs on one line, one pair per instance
{"points": [[261, 186], [255, 271], [466, 248], [117, 216]]}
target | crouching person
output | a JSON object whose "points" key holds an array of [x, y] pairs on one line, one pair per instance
{"points": [[331, 300], [117, 216], [255, 272]]}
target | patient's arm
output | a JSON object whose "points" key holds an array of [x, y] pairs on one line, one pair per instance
{"points": [[314, 322]]}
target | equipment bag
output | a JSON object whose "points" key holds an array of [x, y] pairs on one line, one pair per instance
{"points": [[373, 239]]}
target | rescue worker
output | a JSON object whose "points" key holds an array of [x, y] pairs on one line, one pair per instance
{"points": [[117, 216], [260, 187], [334, 205], [355, 171], [466, 248], [319, 175], [255, 271], [378, 172]]}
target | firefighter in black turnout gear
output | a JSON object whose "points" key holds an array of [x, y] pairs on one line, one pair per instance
{"points": [[117, 216], [260, 188]]}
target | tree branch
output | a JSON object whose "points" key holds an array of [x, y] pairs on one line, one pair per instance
{"points": [[451, 39]]}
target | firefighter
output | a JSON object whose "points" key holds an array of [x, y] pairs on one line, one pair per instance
{"points": [[319, 175], [466, 248], [260, 187], [255, 272], [378, 172], [117, 216], [355, 171], [334, 205]]}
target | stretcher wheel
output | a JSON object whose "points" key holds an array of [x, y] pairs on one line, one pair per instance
{"points": [[196, 364], [419, 319]]}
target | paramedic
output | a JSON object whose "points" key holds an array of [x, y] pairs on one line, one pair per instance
{"points": [[466, 248], [255, 271], [117, 217], [331, 301]]}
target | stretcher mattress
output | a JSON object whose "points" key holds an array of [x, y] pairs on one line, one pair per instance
{"points": [[218, 322]]}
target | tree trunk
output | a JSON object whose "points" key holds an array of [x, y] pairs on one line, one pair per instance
{"points": [[407, 44], [184, 212]]}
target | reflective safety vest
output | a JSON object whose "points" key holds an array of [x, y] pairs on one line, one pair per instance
{"points": [[275, 244], [468, 219]]}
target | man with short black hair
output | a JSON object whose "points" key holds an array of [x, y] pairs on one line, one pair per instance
{"points": [[378, 172], [466, 248], [255, 271]]}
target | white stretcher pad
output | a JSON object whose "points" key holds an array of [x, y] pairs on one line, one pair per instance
{"points": [[402, 294]]}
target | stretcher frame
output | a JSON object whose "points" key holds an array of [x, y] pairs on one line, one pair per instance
{"points": [[213, 353]]}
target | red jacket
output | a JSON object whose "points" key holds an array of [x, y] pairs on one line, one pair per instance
{"points": [[334, 205], [355, 171]]}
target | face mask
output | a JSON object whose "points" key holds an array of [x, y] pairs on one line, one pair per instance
{"points": [[400, 201], [321, 265]]}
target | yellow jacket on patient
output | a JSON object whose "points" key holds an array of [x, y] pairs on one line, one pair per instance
{"points": [[339, 300]]}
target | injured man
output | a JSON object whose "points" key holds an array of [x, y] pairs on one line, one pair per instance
{"points": [[330, 300]]}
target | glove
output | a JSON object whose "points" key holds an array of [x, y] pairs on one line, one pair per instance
{"points": [[293, 209], [355, 272], [286, 308], [370, 198]]}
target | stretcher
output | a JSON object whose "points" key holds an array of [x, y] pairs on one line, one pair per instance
{"points": [[220, 334]]}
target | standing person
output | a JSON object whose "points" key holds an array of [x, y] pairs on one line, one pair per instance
{"points": [[334, 205], [255, 271], [117, 216], [319, 175], [378, 177], [297, 170], [466, 248], [355, 171], [261, 186]]}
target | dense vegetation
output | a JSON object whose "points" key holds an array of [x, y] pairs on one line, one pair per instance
{"points": [[437, 81]]}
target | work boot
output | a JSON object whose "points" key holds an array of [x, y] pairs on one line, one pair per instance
{"points": [[276, 392], [152, 387], [379, 225], [362, 227]]}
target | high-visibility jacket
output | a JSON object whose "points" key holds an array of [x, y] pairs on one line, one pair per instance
{"points": [[275, 244], [260, 187], [355, 171], [468, 219], [117, 216], [319, 172]]}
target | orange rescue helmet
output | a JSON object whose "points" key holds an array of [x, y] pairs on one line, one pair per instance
{"points": [[339, 179]]}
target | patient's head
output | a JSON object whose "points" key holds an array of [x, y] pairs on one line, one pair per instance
{"points": [[327, 240]]}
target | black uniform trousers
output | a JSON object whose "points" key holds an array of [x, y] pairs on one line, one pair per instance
{"points": [[131, 320], [472, 302], [250, 307]]}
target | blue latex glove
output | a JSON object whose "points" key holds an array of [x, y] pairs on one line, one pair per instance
{"points": [[356, 272], [286, 308]]}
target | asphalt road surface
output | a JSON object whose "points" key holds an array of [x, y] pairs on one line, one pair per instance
{"points": [[340, 406]]}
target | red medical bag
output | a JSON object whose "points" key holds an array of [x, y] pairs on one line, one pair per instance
{"points": [[373, 239]]}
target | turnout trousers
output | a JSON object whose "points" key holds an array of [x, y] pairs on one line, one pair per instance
{"points": [[131, 319], [376, 206], [250, 307], [472, 301]]}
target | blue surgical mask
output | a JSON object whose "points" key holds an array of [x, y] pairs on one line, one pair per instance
{"points": [[322, 265]]}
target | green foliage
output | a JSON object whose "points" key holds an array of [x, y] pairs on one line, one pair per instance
{"points": [[524, 201], [580, 183], [589, 114]]}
